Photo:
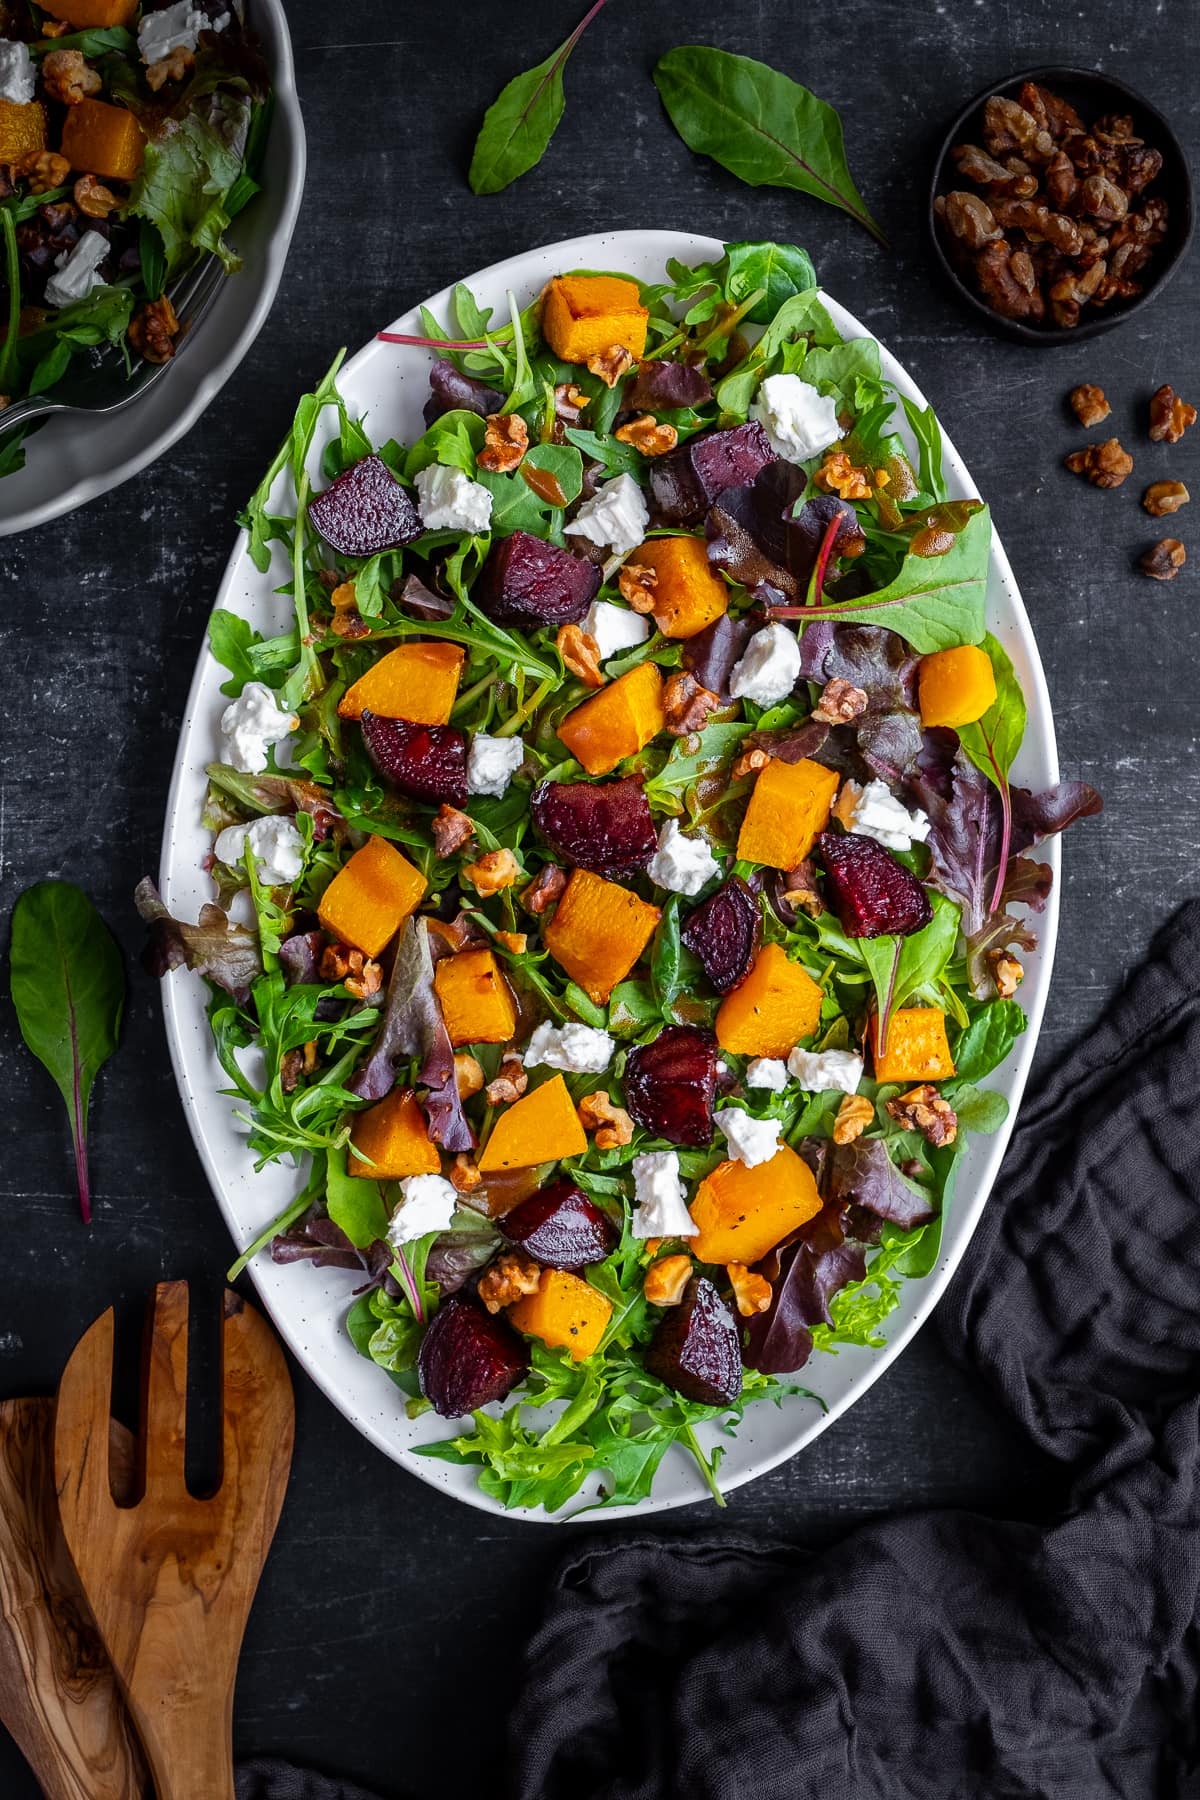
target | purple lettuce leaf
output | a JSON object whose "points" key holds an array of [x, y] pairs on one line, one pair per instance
{"points": [[885, 668], [711, 654], [666, 387], [457, 1255], [215, 947], [1026, 883], [412, 1025], [415, 597], [863, 1173], [317, 1240], [300, 957], [450, 391], [733, 549], [811, 1271]]}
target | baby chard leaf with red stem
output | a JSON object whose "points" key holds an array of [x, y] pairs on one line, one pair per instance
{"points": [[992, 744], [68, 991], [520, 122]]}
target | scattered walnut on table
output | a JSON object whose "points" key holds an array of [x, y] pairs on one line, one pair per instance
{"points": [[923, 1109], [69, 77], [1089, 403], [686, 704], [1163, 561], [647, 435], [1163, 497], [1106, 465], [1170, 416], [508, 1279], [505, 441]]}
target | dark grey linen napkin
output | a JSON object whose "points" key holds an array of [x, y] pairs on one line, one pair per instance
{"points": [[268, 1779], [946, 1655]]}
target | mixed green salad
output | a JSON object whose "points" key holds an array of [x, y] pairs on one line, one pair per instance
{"points": [[130, 136], [619, 888]]}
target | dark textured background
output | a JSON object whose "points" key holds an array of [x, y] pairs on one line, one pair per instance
{"points": [[384, 1640]]}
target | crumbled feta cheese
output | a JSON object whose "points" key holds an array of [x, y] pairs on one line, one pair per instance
{"points": [[799, 422], [826, 1071], [451, 501], [277, 846], [428, 1205], [615, 627], [617, 516], [769, 668], [492, 763], [878, 814], [681, 864], [661, 1197], [18, 77], [251, 724], [767, 1072], [175, 28], [750, 1140], [77, 270], [575, 1049]]}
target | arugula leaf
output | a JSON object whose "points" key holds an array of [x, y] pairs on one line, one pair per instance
{"points": [[520, 122], [760, 125], [923, 424], [92, 43], [68, 991], [666, 960], [934, 602], [780, 269], [617, 458]]}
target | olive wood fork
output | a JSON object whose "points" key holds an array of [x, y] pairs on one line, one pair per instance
{"points": [[170, 1579]]}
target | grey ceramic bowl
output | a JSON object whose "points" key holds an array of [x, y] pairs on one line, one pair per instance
{"points": [[1091, 94], [71, 459]]}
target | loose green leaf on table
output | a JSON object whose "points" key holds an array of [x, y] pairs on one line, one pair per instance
{"points": [[760, 125], [68, 992], [520, 122]]}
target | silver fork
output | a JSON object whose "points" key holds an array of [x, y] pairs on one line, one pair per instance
{"points": [[104, 387]]}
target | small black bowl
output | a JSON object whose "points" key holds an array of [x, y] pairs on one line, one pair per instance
{"points": [[1092, 95]]}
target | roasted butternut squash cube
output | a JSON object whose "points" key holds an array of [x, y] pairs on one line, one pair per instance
{"points": [[84, 15], [566, 1312], [542, 1126], [956, 686], [476, 1001], [917, 1048], [584, 315], [104, 140], [22, 129], [415, 681], [769, 1012], [742, 1213], [598, 932], [392, 1140], [369, 899], [617, 722], [689, 594], [788, 809]]}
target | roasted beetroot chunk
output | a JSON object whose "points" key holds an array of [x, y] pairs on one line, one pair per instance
{"points": [[872, 894], [670, 1083], [696, 1348], [723, 931], [560, 1227], [365, 511], [687, 481], [468, 1358], [451, 391], [527, 582], [604, 826], [427, 761]]}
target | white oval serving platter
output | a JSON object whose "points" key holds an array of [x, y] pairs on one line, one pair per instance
{"points": [[388, 384]]}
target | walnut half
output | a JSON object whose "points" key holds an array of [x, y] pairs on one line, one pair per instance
{"points": [[1105, 465], [1165, 497], [1163, 561]]}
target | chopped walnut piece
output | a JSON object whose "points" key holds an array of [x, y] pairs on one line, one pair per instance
{"points": [[347, 625], [801, 891], [1105, 465], [1006, 972], [343, 596], [173, 67], [509, 1084], [1089, 403], [1163, 561], [636, 584], [569, 402], [647, 435], [923, 1109], [666, 1280], [969, 217], [612, 1124], [153, 331], [44, 169], [505, 442], [840, 702], [507, 1279], [750, 762], [297, 1063], [516, 941], [94, 199], [546, 887], [363, 982], [451, 829], [1007, 127], [1008, 282], [838, 475], [853, 1116], [468, 1076], [464, 1175], [751, 1292], [496, 870], [686, 704], [611, 365], [1165, 497], [581, 654], [69, 77], [1169, 415]]}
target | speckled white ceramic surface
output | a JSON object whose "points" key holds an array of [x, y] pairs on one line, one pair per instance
{"points": [[388, 384], [72, 458]]}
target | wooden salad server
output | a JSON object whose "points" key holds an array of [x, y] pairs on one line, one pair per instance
{"points": [[170, 1579], [58, 1697]]}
